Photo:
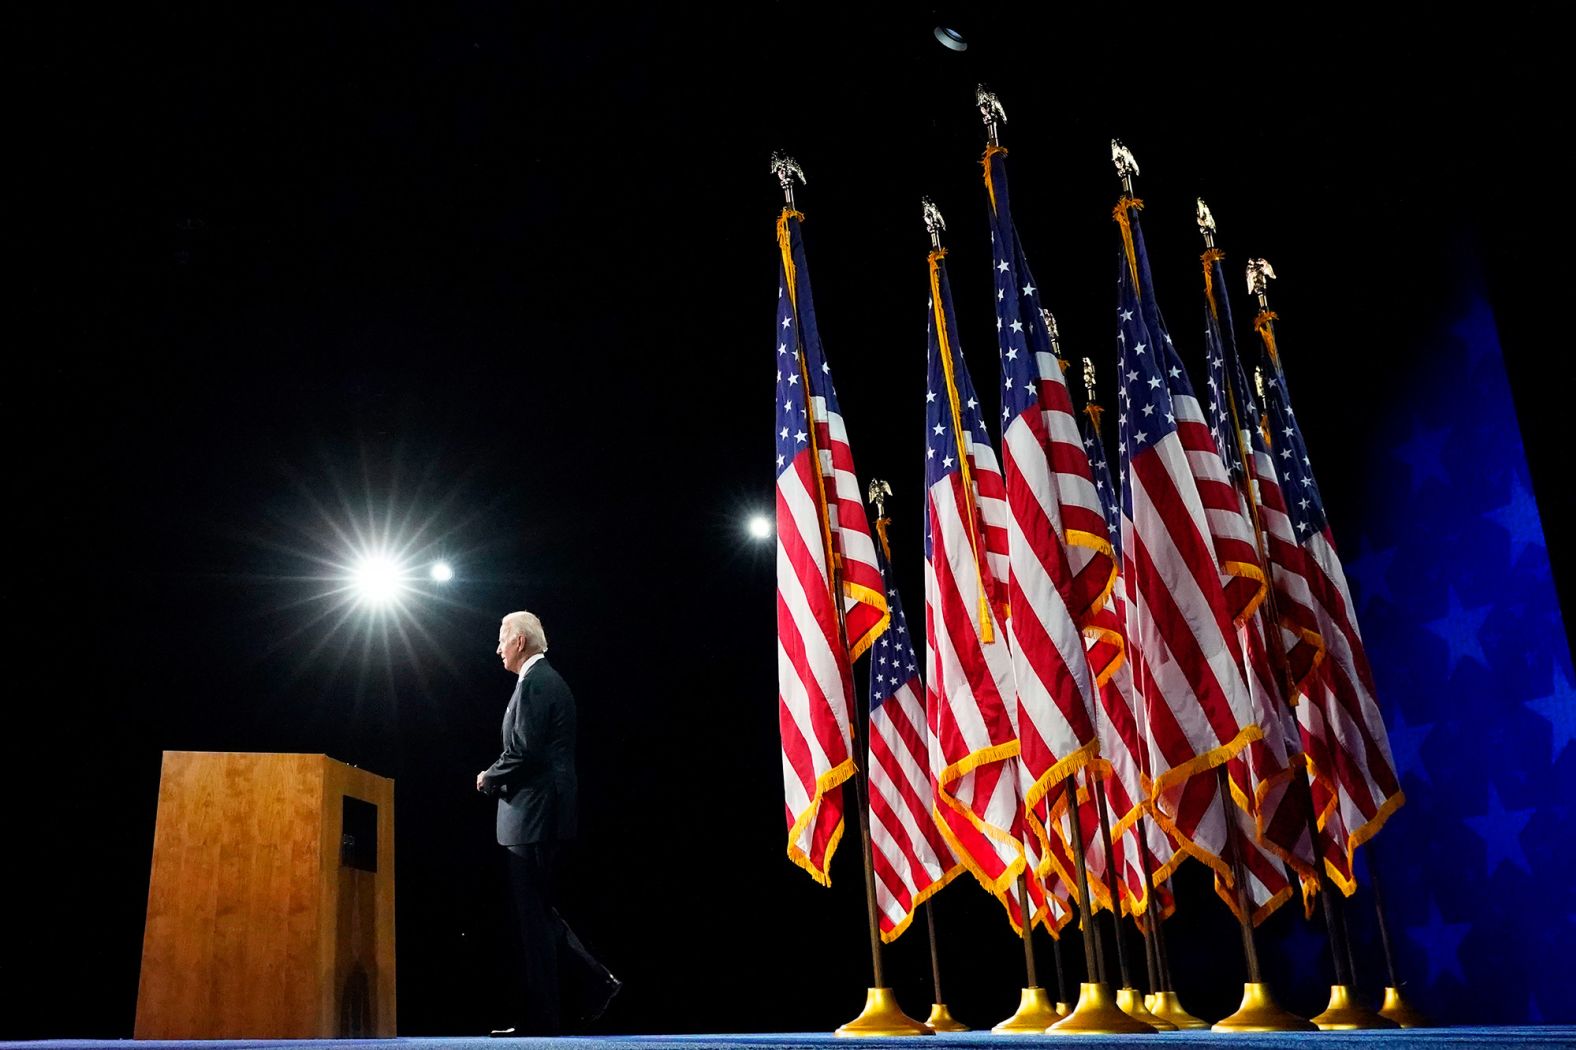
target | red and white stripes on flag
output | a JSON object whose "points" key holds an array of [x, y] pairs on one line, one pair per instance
{"points": [[1355, 788], [969, 678], [1260, 777], [1124, 758], [911, 859], [813, 680], [1061, 566], [1279, 805], [1182, 639], [825, 558]]}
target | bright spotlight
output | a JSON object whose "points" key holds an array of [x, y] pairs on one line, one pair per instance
{"points": [[442, 572], [760, 527], [378, 579]]}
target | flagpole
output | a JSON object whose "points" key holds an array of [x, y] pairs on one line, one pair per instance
{"points": [[1167, 1008], [940, 1019], [1127, 996], [1028, 932], [1395, 1009], [1167, 1005], [881, 1015], [1257, 1012], [1063, 1003], [1344, 1012], [1035, 1010], [1096, 1012]]}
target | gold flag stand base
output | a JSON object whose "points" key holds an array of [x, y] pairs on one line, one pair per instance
{"points": [[1132, 1004], [1062, 1009], [1402, 1012], [1258, 1013], [1167, 1007], [882, 1016], [1098, 1014], [1347, 1014], [1035, 1014], [941, 1020]]}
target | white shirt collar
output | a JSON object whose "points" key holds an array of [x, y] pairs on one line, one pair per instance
{"points": [[526, 667]]}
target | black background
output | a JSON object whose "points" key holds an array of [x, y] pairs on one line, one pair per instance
{"points": [[495, 283]]}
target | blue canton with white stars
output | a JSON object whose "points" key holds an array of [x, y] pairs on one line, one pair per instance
{"points": [[795, 334], [941, 443], [1150, 372], [1023, 339], [1303, 504], [1109, 497], [892, 660], [1231, 405]]}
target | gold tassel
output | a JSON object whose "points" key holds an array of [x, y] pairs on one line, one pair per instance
{"points": [[1210, 257], [1266, 329], [990, 187], [881, 527], [1120, 215]]}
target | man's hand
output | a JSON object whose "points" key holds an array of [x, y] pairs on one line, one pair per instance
{"points": [[481, 781]]}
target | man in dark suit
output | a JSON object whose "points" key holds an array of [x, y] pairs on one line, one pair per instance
{"points": [[534, 782]]}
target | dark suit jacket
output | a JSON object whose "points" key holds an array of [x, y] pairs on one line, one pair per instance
{"points": [[534, 777]]}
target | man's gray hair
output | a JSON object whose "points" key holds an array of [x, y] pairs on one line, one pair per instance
{"points": [[527, 626]]}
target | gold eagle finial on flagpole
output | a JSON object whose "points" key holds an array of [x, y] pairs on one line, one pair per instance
{"points": [[1206, 223], [877, 493], [934, 223], [1260, 274], [991, 112], [1126, 165], [787, 169]]}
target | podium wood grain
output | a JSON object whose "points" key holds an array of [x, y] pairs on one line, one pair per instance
{"points": [[254, 928]]}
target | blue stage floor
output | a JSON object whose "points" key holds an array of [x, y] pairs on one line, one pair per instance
{"points": [[1541, 1038]]}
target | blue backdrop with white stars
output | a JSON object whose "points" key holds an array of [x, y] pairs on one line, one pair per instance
{"points": [[1449, 569]]}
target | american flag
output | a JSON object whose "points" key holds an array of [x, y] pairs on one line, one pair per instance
{"points": [[1122, 724], [821, 527], [911, 858], [1262, 776], [1186, 664], [1061, 565], [1355, 788], [968, 668]]}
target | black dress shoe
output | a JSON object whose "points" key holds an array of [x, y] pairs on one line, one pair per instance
{"points": [[601, 997]]}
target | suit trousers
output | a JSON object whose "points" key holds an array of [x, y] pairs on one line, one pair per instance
{"points": [[554, 958]]}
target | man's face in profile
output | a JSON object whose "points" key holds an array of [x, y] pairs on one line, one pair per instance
{"points": [[511, 650]]}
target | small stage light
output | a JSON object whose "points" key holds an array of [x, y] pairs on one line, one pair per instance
{"points": [[442, 572], [760, 527], [951, 38], [378, 579]]}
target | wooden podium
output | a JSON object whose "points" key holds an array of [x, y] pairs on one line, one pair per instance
{"points": [[271, 904]]}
